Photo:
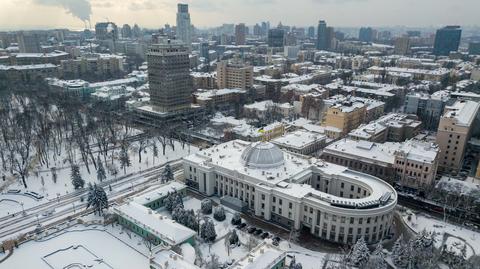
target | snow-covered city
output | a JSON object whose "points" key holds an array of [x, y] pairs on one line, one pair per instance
{"points": [[239, 135]]}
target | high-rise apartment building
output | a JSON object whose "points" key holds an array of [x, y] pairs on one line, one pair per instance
{"points": [[169, 76], [126, 31], [29, 42], [106, 30], [240, 33], [453, 133], [447, 39], [365, 34], [234, 74], [402, 45], [428, 108], [184, 25], [276, 38], [474, 48], [311, 32], [322, 36]]}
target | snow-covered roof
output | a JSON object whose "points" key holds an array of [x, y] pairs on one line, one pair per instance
{"points": [[209, 94], [298, 139], [161, 226], [464, 112], [168, 259], [155, 193], [262, 155], [27, 67], [264, 256]]}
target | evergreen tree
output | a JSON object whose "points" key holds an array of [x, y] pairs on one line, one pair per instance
{"points": [[207, 231], [400, 254], [167, 174], [219, 213], [101, 175], [233, 238], [97, 199], [294, 264], [206, 206], [377, 259], [124, 159], [173, 200], [77, 180], [236, 220], [359, 254]]}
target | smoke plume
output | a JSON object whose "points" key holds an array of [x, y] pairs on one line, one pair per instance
{"points": [[78, 8]]}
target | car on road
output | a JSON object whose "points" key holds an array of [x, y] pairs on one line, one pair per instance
{"points": [[13, 191], [276, 238], [251, 230], [264, 235]]}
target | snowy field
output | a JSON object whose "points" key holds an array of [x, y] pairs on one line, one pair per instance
{"points": [[40, 180], [447, 234], [84, 247]]}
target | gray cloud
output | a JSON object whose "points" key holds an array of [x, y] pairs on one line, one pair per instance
{"points": [[78, 8]]}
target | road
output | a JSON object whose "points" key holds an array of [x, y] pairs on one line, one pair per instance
{"points": [[64, 207]]}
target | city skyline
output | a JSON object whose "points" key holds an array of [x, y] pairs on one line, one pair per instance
{"points": [[44, 14]]}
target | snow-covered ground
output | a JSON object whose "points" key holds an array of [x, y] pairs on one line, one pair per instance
{"points": [[11, 203], [453, 236], [85, 246]]}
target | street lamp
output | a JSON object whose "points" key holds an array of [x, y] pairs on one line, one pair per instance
{"points": [[23, 208], [73, 203]]}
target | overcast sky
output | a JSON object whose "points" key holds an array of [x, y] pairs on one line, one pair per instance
{"points": [[29, 14]]}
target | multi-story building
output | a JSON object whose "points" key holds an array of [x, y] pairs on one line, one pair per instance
{"points": [[301, 142], [394, 127], [93, 66], [402, 45], [29, 42], [345, 116], [365, 34], [374, 108], [332, 201], [106, 30], [34, 73], [268, 110], [234, 74], [322, 36], [203, 80], [263, 256], [184, 25], [169, 76], [211, 98], [429, 108], [411, 164], [276, 38], [454, 131], [240, 34], [474, 48], [447, 39]]}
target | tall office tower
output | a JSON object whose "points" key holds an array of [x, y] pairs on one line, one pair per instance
{"points": [[447, 39], [234, 74], [330, 38], [257, 30], [265, 28], [136, 31], [340, 36], [106, 30], [184, 25], [169, 76], [322, 39], [126, 31], [474, 48], [240, 33], [205, 53], [365, 34], [311, 32], [402, 45], [29, 42], [276, 38], [453, 133]]}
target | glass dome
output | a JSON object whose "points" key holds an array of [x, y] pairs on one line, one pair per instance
{"points": [[262, 155]]}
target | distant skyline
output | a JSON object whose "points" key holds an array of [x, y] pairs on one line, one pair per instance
{"points": [[41, 14]]}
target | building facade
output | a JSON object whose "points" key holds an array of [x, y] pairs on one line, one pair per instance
{"points": [[447, 39], [333, 202], [234, 74], [184, 25], [454, 131], [169, 76]]}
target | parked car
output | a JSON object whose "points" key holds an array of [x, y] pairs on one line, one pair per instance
{"points": [[276, 238], [241, 225], [258, 232], [13, 191], [264, 235], [251, 230]]}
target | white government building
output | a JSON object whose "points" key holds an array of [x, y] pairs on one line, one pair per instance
{"points": [[332, 201]]}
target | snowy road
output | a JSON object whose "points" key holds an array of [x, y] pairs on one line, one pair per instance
{"points": [[71, 204]]}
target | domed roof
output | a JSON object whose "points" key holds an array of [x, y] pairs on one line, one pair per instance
{"points": [[262, 155]]}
